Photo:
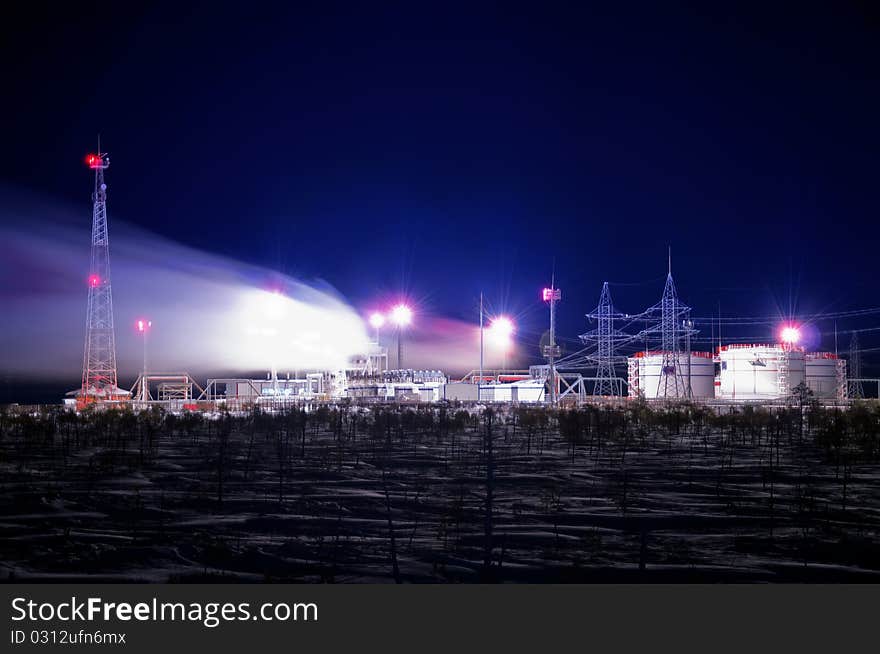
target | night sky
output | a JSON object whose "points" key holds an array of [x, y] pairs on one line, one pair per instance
{"points": [[438, 150]]}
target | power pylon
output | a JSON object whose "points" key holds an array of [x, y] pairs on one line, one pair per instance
{"points": [[673, 324], [605, 336], [856, 391], [669, 308], [99, 381]]}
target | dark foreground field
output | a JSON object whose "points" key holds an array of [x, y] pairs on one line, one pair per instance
{"points": [[443, 495]]}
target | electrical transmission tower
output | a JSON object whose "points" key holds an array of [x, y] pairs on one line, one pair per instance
{"points": [[605, 336], [99, 382], [856, 391], [670, 385], [674, 324]]}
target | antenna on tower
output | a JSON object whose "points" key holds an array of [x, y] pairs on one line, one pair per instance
{"points": [[99, 380], [552, 351]]}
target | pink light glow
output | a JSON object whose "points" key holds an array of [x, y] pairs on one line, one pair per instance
{"points": [[377, 320], [401, 315], [144, 325], [94, 280], [790, 334], [551, 294]]}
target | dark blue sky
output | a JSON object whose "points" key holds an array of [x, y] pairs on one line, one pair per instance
{"points": [[442, 150]]}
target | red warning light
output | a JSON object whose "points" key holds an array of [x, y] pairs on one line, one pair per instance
{"points": [[551, 294], [94, 280], [95, 161]]}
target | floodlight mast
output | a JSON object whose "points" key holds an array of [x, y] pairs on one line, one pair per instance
{"points": [[143, 327], [377, 321], [480, 378], [402, 316]]}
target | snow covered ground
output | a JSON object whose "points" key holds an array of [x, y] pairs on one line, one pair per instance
{"points": [[606, 495]]}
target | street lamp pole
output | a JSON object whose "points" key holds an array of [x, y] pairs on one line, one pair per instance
{"points": [[377, 320], [480, 378], [401, 315], [143, 327]]}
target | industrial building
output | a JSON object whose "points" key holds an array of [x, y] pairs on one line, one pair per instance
{"points": [[825, 374], [399, 386], [759, 372], [695, 370]]}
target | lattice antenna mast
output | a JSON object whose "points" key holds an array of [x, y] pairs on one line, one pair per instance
{"points": [[99, 381], [552, 352], [856, 391]]}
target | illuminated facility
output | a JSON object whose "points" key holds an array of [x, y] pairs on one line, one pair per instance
{"points": [[642, 356]]}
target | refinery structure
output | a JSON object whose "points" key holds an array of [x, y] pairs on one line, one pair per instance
{"points": [[625, 357]]}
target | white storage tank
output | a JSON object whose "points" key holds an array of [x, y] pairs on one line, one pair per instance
{"points": [[826, 375], [645, 372], [759, 372]]}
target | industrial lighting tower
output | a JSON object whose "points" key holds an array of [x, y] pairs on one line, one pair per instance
{"points": [[143, 327], [401, 315], [480, 378], [99, 380], [856, 391], [552, 351], [377, 321]]}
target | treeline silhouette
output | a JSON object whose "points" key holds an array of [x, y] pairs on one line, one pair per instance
{"points": [[454, 492]]}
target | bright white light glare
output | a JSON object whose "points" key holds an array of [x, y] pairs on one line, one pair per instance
{"points": [[790, 335], [273, 305], [377, 320], [283, 332], [401, 315], [501, 331]]}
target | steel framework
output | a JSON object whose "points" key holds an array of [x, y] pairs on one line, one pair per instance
{"points": [[606, 337], [856, 390], [99, 380], [674, 324]]}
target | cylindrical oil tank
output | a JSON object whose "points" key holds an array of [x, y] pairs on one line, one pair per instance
{"points": [[826, 375], [759, 372], [652, 375]]}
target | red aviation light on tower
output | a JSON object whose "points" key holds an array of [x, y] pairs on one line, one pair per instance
{"points": [[96, 161], [144, 325], [94, 280]]}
